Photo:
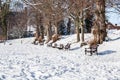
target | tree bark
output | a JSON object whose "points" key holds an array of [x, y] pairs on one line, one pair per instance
{"points": [[82, 25], [100, 20], [40, 27], [77, 24], [49, 32], [68, 26], [3, 16], [82, 32]]}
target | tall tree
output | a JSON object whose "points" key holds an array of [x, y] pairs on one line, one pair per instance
{"points": [[77, 10], [99, 23], [52, 10]]}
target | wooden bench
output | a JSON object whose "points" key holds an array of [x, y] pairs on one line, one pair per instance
{"points": [[67, 47], [91, 50], [49, 45], [2, 41], [54, 45], [61, 46]]}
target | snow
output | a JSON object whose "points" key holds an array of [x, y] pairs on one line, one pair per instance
{"points": [[21, 60]]}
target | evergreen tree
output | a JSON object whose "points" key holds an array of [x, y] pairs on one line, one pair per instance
{"points": [[3, 16], [68, 26]]}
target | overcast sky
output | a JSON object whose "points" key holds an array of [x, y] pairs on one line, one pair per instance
{"points": [[113, 17]]}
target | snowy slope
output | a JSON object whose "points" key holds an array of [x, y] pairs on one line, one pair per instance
{"points": [[21, 60]]}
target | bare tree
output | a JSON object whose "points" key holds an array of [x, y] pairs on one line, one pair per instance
{"points": [[77, 10], [52, 11], [113, 4]]}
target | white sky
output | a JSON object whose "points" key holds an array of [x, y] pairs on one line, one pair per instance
{"points": [[113, 17]]}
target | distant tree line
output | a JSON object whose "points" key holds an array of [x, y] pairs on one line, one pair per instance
{"points": [[48, 17], [83, 13]]}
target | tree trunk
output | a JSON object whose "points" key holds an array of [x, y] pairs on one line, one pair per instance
{"points": [[37, 32], [103, 32], [56, 29], [82, 27], [3, 16], [82, 32], [77, 24], [49, 32], [68, 26], [0, 4], [99, 23], [42, 31], [39, 28]]}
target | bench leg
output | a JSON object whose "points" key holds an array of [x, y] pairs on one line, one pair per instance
{"points": [[91, 53], [96, 53], [85, 51]]}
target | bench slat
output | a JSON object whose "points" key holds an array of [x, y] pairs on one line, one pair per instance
{"points": [[91, 50]]}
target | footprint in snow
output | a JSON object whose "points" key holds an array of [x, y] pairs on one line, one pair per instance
{"points": [[3, 77], [45, 77], [77, 65], [32, 74], [23, 73], [63, 57]]}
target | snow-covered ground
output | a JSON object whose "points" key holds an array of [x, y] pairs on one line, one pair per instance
{"points": [[21, 60]]}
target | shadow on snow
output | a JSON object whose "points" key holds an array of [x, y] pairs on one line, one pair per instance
{"points": [[106, 52]]}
